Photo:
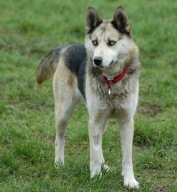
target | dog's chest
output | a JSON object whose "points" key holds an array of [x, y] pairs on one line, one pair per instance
{"points": [[114, 95]]}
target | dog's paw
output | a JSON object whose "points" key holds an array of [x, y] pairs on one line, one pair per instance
{"points": [[131, 183], [58, 164]]}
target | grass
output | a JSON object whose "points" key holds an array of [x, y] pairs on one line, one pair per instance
{"points": [[29, 29]]}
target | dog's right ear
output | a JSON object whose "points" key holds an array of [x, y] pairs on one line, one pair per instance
{"points": [[92, 19]]}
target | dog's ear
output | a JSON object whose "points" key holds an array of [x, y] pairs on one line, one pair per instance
{"points": [[120, 20], [92, 19]]}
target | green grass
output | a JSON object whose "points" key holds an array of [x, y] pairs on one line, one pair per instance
{"points": [[28, 30]]}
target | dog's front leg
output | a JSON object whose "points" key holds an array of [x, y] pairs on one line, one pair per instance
{"points": [[96, 129], [127, 130]]}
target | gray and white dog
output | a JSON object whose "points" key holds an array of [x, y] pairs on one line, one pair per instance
{"points": [[104, 72]]}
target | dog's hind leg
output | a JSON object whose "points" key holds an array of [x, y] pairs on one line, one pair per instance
{"points": [[63, 112], [66, 96]]}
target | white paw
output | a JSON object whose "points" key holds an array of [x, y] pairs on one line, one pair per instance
{"points": [[131, 183], [57, 164]]}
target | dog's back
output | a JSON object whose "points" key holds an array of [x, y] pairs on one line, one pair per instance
{"points": [[74, 57]]}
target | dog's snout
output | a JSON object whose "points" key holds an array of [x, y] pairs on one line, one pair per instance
{"points": [[97, 61]]}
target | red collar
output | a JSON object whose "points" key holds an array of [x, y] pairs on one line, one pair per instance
{"points": [[114, 80]]}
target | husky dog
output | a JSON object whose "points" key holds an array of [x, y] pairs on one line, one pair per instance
{"points": [[104, 72]]}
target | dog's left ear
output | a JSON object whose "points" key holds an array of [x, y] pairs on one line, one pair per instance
{"points": [[120, 20], [93, 20]]}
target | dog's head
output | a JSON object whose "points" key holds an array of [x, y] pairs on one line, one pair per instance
{"points": [[108, 42]]}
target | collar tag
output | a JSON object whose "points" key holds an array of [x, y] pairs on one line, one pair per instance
{"points": [[109, 91]]}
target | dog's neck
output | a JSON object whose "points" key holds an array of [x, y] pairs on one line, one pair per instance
{"points": [[115, 79]]}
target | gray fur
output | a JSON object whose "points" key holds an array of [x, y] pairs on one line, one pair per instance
{"points": [[49, 64]]}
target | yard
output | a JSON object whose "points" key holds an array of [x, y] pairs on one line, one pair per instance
{"points": [[28, 30]]}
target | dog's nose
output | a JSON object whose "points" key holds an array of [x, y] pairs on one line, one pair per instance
{"points": [[97, 61]]}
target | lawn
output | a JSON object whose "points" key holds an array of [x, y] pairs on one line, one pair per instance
{"points": [[28, 30]]}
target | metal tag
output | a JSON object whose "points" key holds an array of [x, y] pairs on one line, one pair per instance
{"points": [[109, 91]]}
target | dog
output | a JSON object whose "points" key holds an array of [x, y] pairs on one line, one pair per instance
{"points": [[104, 73]]}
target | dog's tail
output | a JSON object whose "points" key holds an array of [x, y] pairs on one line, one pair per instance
{"points": [[48, 65]]}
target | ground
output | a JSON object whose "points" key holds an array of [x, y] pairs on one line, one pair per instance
{"points": [[29, 29]]}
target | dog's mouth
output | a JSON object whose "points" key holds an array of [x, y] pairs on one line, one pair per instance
{"points": [[99, 67], [103, 67]]}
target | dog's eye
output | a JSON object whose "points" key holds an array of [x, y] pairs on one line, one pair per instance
{"points": [[111, 43], [95, 42]]}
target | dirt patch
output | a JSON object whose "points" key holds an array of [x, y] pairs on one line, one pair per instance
{"points": [[150, 110], [142, 140], [160, 189]]}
